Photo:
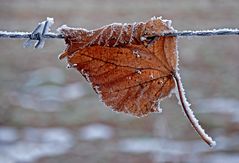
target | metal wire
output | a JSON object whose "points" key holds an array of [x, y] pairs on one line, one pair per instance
{"points": [[27, 35], [214, 32], [41, 32]]}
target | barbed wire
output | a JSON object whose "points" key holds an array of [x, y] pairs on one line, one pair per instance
{"points": [[214, 32], [27, 35], [41, 32]]}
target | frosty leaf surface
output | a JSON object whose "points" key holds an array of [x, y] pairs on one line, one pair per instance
{"points": [[128, 67]]}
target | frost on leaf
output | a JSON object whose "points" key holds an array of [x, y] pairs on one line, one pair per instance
{"points": [[129, 66]]}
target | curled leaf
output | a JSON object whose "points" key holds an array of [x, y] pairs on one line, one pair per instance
{"points": [[129, 66]]}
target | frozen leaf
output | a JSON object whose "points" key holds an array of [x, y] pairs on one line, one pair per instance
{"points": [[129, 66]]}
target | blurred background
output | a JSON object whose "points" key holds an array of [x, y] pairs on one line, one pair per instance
{"points": [[50, 114]]}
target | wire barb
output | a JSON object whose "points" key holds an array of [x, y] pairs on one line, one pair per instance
{"points": [[42, 32], [36, 38]]}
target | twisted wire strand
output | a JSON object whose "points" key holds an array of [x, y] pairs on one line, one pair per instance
{"points": [[27, 35], [214, 32]]}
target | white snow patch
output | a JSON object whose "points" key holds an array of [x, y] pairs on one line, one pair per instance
{"points": [[73, 91], [95, 132], [8, 134], [38, 143], [45, 75], [155, 145], [221, 158]]}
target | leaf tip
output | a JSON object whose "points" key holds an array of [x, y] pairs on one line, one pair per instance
{"points": [[212, 144]]}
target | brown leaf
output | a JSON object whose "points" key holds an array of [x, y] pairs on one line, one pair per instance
{"points": [[130, 75], [129, 66]]}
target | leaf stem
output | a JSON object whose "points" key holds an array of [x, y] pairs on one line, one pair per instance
{"points": [[189, 113]]}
